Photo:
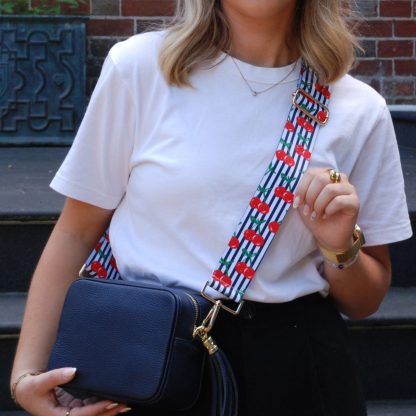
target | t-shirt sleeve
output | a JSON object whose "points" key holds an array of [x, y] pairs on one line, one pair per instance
{"points": [[378, 178], [96, 169]]}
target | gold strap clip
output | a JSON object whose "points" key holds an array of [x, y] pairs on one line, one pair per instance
{"points": [[321, 117], [226, 308]]}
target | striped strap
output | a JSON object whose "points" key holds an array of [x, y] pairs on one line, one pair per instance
{"points": [[101, 263], [269, 204], [275, 193]]}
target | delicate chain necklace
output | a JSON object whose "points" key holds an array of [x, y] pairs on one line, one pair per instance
{"points": [[255, 93]]}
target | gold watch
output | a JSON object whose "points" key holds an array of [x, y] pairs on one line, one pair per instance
{"points": [[341, 257]]}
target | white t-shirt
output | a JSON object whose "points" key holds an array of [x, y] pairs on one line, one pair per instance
{"points": [[179, 166]]}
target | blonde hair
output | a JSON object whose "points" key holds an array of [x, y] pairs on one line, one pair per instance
{"points": [[199, 33]]}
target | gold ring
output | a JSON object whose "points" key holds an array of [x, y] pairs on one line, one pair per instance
{"points": [[68, 412], [334, 176]]}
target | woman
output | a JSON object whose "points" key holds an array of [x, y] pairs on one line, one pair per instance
{"points": [[180, 128]]}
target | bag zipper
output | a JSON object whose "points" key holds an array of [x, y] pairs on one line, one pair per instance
{"points": [[196, 306]]}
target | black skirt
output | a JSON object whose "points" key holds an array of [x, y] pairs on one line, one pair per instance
{"points": [[290, 359]]}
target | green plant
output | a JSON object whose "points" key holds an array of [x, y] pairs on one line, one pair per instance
{"points": [[40, 7]]}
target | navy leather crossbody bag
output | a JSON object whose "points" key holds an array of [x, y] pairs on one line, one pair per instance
{"points": [[131, 343]]}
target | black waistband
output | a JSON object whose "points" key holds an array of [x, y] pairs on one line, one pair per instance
{"points": [[298, 304]]}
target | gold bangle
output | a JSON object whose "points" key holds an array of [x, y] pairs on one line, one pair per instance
{"points": [[19, 379], [358, 241]]}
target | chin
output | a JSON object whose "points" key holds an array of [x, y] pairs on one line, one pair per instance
{"points": [[260, 9]]}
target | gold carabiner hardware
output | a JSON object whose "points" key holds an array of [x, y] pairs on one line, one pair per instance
{"points": [[323, 115], [202, 331], [209, 320]]}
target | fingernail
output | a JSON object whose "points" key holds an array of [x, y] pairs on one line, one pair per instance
{"points": [[125, 410], [69, 372], [296, 202], [111, 406], [306, 210], [313, 216]]}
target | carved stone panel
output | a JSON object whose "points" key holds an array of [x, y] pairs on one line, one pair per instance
{"points": [[42, 79]]}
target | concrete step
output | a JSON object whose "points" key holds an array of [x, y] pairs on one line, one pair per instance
{"points": [[11, 312], [25, 174], [392, 408], [384, 343], [21, 244], [28, 210]]}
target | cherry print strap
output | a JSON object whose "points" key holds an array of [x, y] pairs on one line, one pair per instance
{"points": [[101, 263], [275, 193], [268, 206]]}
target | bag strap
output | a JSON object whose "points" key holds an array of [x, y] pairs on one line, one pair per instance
{"points": [[268, 206], [101, 262], [275, 193]]}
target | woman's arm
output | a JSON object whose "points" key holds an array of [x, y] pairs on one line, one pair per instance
{"points": [[360, 288], [74, 236], [330, 212]]}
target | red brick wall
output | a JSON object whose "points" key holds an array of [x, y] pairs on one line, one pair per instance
{"points": [[388, 37]]}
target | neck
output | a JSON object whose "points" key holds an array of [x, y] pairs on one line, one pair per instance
{"points": [[264, 41]]}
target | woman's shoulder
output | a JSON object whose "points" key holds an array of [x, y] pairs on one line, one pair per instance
{"points": [[137, 52], [358, 104], [350, 92]]}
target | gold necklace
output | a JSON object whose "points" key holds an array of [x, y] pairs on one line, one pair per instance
{"points": [[255, 93]]}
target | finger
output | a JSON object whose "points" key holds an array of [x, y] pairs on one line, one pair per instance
{"points": [[67, 400], [90, 400], [311, 176], [317, 184], [60, 392], [327, 194], [302, 187], [51, 379], [347, 204], [76, 403]]}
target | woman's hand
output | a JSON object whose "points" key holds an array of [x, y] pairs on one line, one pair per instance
{"points": [[40, 396], [330, 212], [328, 209]]}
